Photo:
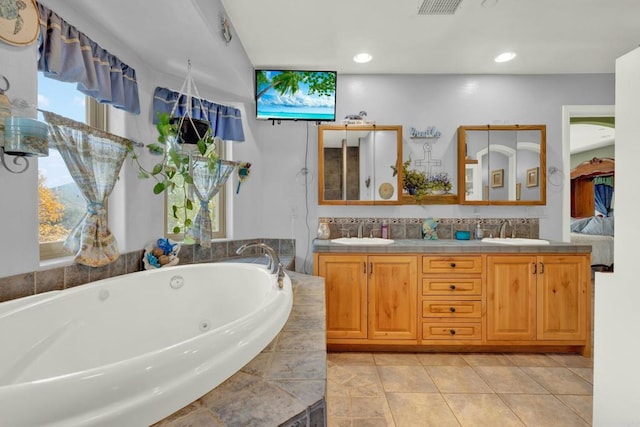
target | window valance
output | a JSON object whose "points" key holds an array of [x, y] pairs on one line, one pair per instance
{"points": [[68, 55], [226, 122]]}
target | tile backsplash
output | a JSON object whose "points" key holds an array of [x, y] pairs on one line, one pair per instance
{"points": [[411, 228], [58, 278]]}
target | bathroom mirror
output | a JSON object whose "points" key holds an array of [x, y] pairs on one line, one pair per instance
{"points": [[502, 164], [359, 164]]}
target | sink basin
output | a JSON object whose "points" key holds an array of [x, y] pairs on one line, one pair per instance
{"points": [[362, 241], [515, 241]]}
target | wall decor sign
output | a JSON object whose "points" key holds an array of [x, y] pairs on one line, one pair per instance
{"points": [[532, 177], [19, 22], [497, 178]]}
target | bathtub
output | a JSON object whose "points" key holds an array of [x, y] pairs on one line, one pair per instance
{"points": [[133, 349]]}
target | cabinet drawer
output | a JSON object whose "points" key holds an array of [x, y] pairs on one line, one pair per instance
{"points": [[451, 309], [452, 286], [452, 264], [451, 331]]}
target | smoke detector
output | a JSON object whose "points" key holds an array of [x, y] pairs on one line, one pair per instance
{"points": [[439, 7]]}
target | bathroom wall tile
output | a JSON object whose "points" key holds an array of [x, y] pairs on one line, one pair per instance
{"points": [[414, 231], [287, 247], [97, 273], [186, 254], [318, 414], [219, 250], [134, 261], [201, 254], [18, 286], [397, 231], [306, 392], [49, 280], [235, 244], [274, 243], [75, 275], [445, 231], [119, 266]]}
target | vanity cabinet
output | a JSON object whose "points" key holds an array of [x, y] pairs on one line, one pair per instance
{"points": [[467, 301], [537, 298], [451, 299], [369, 298]]}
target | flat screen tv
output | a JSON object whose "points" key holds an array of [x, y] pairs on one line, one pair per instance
{"points": [[295, 95]]}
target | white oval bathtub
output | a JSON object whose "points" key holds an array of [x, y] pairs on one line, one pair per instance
{"points": [[130, 350]]}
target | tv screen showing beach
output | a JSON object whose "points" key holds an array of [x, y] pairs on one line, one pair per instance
{"points": [[296, 95]]}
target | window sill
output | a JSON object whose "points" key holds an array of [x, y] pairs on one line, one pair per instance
{"points": [[56, 262]]}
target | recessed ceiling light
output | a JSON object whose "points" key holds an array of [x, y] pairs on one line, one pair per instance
{"points": [[361, 58], [505, 57]]}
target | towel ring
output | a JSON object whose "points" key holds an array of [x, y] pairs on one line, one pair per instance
{"points": [[2, 91]]}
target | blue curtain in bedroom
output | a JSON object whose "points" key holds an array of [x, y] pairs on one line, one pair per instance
{"points": [[603, 195]]}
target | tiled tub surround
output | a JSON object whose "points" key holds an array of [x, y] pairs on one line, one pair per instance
{"points": [[411, 228], [282, 386], [26, 284]]}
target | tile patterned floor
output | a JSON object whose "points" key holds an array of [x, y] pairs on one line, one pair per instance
{"points": [[389, 389]]}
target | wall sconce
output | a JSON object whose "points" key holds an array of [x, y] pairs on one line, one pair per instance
{"points": [[23, 137]]}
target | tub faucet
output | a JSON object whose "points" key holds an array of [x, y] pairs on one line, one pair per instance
{"points": [[274, 266]]}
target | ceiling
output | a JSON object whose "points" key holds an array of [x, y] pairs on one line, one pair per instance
{"points": [[588, 136], [549, 36]]}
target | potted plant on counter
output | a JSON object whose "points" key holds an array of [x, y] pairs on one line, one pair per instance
{"points": [[438, 184]]}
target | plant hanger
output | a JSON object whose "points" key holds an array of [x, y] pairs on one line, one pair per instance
{"points": [[189, 87]]}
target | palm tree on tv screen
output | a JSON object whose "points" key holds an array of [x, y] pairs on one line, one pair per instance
{"points": [[288, 82]]}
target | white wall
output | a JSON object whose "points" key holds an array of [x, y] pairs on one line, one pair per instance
{"points": [[444, 101], [616, 344]]}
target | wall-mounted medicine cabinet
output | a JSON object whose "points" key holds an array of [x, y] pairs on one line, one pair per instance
{"points": [[359, 164], [502, 165]]}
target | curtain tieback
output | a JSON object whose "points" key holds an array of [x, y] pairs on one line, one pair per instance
{"points": [[94, 207], [204, 205]]}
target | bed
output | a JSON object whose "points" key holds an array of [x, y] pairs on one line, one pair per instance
{"points": [[587, 228]]}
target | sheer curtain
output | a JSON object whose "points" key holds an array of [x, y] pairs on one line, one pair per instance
{"points": [[94, 159], [206, 184]]}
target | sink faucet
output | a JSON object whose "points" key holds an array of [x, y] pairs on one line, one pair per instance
{"points": [[360, 229], [274, 266], [503, 228]]}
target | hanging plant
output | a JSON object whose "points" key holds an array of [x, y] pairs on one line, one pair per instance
{"points": [[174, 170]]}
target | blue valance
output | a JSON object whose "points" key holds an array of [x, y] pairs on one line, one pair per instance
{"points": [[226, 122], [68, 55]]}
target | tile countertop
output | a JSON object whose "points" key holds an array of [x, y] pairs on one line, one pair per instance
{"points": [[451, 246]]}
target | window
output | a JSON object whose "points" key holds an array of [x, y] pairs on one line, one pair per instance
{"points": [[216, 208], [61, 205]]}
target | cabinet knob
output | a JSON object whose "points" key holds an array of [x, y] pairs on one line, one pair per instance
{"points": [[452, 309], [453, 265], [452, 331], [452, 287]]}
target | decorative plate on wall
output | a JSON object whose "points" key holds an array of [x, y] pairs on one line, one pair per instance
{"points": [[19, 22]]}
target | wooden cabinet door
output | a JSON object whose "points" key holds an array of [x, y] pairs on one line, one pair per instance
{"points": [[345, 278], [511, 297], [393, 297], [562, 297]]}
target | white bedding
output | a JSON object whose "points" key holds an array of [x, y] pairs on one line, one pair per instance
{"points": [[601, 247]]}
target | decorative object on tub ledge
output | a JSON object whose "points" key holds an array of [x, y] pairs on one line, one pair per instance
{"points": [[430, 132], [429, 229], [94, 159], [164, 253], [243, 173]]}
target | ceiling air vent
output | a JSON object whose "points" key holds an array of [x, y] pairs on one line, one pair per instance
{"points": [[439, 7]]}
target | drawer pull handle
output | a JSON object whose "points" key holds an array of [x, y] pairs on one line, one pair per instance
{"points": [[452, 331], [452, 287], [453, 265], [452, 309]]}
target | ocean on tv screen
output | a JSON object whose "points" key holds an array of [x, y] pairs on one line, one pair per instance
{"points": [[288, 112]]}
